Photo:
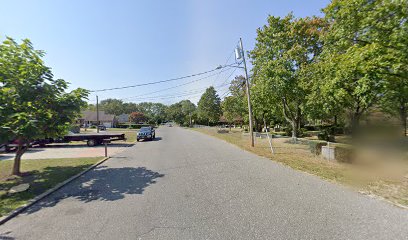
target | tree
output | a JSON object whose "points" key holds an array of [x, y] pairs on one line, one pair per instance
{"points": [[112, 106], [137, 117], [230, 109], [158, 113], [284, 51], [34, 105], [188, 108], [209, 106], [366, 56]]}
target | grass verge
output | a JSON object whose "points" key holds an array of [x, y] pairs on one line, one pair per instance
{"points": [[392, 187], [42, 174]]}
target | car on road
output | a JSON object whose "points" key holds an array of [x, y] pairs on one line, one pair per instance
{"points": [[146, 133]]}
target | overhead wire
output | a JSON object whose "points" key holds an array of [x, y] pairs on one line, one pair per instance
{"points": [[177, 85], [229, 57], [162, 81]]}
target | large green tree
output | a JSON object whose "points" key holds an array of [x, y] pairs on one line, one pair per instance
{"points": [[365, 57], [34, 105], [112, 106], [284, 51], [209, 106], [234, 107], [188, 108]]}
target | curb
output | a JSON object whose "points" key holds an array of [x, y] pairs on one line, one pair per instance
{"points": [[48, 192]]}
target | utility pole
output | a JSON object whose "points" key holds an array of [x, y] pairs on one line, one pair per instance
{"points": [[97, 114], [251, 132]]}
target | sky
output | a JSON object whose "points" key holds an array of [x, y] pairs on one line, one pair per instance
{"points": [[98, 44]]}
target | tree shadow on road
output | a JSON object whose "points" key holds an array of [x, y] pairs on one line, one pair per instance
{"points": [[102, 184]]}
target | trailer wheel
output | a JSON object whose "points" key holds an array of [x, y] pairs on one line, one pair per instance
{"points": [[91, 143]]}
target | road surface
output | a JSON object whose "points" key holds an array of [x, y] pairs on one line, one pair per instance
{"points": [[186, 185]]}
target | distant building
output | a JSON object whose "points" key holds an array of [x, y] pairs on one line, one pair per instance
{"points": [[123, 118], [89, 118]]}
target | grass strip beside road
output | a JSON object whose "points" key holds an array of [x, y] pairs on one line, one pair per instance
{"points": [[41, 174], [393, 188]]}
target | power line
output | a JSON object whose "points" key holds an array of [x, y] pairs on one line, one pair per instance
{"points": [[225, 93], [231, 74], [229, 57], [180, 94], [176, 86], [162, 81]]}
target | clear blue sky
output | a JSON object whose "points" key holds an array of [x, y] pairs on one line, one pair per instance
{"points": [[103, 44]]}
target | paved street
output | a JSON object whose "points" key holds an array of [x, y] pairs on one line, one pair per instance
{"points": [[186, 185]]}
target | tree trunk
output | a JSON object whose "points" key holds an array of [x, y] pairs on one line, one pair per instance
{"points": [[295, 125], [17, 159], [403, 118]]}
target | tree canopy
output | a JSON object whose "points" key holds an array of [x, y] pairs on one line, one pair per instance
{"points": [[284, 51], [209, 106], [34, 105]]}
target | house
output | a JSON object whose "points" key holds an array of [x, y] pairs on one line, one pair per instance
{"points": [[123, 118], [89, 118]]}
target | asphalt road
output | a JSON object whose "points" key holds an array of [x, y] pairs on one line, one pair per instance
{"points": [[186, 185]]}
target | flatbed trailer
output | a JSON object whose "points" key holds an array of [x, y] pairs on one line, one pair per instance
{"points": [[93, 139]]}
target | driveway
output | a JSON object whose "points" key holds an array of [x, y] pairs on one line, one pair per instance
{"points": [[186, 185], [67, 151]]}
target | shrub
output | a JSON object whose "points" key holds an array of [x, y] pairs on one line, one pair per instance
{"points": [[325, 135], [316, 146], [93, 126]]}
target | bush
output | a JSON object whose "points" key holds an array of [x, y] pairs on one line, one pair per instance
{"points": [[92, 127], [311, 128], [325, 135], [316, 146]]}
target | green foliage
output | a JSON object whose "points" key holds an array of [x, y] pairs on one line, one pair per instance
{"points": [[209, 106], [182, 112], [112, 106], [364, 57], [231, 108], [154, 112], [137, 117], [34, 105], [284, 51], [235, 107]]}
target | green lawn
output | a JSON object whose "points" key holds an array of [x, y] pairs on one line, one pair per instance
{"points": [[130, 134], [42, 174]]}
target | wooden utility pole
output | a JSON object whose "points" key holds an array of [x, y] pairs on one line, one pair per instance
{"points": [[251, 132]]}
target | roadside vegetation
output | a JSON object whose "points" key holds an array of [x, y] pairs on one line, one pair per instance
{"points": [[41, 175]]}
